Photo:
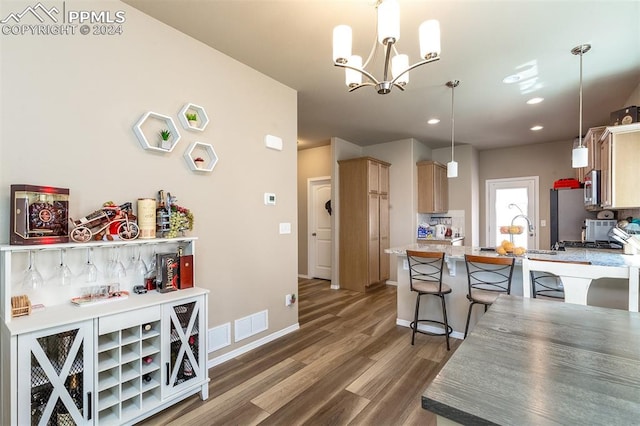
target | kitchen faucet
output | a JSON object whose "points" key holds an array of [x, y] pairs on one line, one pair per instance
{"points": [[522, 215]]}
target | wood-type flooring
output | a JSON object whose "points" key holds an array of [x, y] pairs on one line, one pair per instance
{"points": [[348, 364]]}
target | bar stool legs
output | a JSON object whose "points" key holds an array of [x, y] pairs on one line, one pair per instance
{"points": [[444, 323]]}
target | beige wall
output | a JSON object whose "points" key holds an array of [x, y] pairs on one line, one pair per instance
{"points": [[550, 161], [312, 163], [68, 107], [634, 99]]}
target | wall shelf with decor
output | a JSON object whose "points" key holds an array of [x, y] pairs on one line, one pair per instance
{"points": [[201, 151], [193, 111], [148, 129]]}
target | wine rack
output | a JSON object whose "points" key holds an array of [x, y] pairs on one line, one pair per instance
{"points": [[186, 358], [128, 373], [56, 389]]}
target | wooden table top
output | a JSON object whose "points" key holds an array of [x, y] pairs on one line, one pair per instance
{"points": [[532, 361]]}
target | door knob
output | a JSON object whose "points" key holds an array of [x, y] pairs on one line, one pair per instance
{"points": [[314, 234]]}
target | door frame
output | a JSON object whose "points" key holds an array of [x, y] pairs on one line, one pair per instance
{"points": [[311, 249], [536, 208]]}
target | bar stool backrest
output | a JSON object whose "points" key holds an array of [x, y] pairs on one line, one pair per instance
{"points": [[425, 266], [489, 273]]}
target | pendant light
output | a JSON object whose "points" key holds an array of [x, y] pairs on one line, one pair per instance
{"points": [[452, 166], [579, 155]]}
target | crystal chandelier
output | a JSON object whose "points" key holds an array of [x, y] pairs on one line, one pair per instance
{"points": [[388, 34]]}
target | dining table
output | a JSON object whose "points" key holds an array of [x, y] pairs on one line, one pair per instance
{"points": [[537, 362]]}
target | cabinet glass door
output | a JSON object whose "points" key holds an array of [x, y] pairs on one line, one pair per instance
{"points": [[52, 391], [185, 322]]}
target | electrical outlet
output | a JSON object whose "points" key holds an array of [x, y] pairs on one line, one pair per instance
{"points": [[289, 299]]}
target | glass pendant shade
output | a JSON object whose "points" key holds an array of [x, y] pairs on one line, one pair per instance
{"points": [[388, 21], [452, 169], [580, 157], [353, 78], [400, 63], [429, 34], [341, 44]]}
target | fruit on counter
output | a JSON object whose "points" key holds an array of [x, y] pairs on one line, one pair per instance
{"points": [[508, 247]]}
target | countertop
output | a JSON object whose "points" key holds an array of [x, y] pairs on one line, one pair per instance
{"points": [[599, 257], [532, 361]]}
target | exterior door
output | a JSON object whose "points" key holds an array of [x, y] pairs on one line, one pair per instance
{"points": [[320, 228], [512, 201]]}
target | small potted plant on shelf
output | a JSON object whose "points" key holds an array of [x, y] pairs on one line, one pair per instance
{"points": [[199, 162], [192, 118], [165, 135]]}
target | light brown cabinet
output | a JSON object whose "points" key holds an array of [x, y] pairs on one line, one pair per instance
{"points": [[619, 159], [364, 222], [433, 187]]}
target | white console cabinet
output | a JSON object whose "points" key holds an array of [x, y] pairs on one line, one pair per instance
{"points": [[109, 364]]}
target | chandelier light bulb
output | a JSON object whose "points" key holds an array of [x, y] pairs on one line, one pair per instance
{"points": [[388, 22], [341, 44], [353, 78], [452, 169], [429, 34]]}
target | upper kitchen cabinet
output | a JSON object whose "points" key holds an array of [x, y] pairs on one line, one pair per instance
{"points": [[364, 222], [592, 142], [619, 159], [433, 187]]}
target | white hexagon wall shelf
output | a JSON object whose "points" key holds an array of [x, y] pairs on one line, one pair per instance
{"points": [[202, 119], [204, 151], [151, 124]]}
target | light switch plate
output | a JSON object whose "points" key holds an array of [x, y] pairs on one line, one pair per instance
{"points": [[273, 142], [285, 228]]}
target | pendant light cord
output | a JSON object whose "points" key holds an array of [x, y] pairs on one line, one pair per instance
{"points": [[452, 120], [580, 119]]}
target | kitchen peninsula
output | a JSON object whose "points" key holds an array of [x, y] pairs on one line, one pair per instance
{"points": [[611, 269]]}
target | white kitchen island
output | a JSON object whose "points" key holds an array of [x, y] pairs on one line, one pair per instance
{"points": [[610, 287]]}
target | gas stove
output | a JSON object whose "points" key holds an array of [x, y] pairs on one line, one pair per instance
{"points": [[587, 244]]}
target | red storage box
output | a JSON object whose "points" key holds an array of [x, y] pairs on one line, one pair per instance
{"points": [[566, 183]]}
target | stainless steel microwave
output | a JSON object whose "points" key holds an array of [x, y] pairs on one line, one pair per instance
{"points": [[592, 189]]}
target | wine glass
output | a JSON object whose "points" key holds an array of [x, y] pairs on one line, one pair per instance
{"points": [[90, 271], [115, 269], [138, 266], [62, 275], [32, 278]]}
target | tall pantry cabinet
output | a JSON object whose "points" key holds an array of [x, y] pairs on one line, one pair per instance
{"points": [[364, 222]]}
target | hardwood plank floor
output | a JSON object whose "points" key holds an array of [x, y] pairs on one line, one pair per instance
{"points": [[348, 364]]}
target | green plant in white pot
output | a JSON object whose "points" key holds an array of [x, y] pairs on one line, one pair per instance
{"points": [[165, 139], [192, 118]]}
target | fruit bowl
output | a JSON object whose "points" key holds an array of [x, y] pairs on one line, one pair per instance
{"points": [[512, 230]]}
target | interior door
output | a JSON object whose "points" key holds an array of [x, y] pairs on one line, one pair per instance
{"points": [[512, 201], [320, 229]]}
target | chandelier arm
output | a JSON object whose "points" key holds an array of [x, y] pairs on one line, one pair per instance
{"points": [[399, 86], [416, 65], [361, 71], [387, 58], [351, 89]]}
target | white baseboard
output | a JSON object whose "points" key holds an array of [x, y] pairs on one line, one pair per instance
{"points": [[429, 328], [335, 286], [304, 277], [393, 283], [250, 346]]}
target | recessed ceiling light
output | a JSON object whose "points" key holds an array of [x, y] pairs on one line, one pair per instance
{"points": [[433, 121], [536, 128], [534, 101], [514, 78]]}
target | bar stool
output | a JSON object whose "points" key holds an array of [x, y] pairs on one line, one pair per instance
{"points": [[487, 277], [425, 278], [548, 284]]}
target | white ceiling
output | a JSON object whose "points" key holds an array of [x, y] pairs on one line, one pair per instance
{"points": [[482, 42]]}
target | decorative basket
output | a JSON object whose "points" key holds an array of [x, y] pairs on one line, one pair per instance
{"points": [[20, 306]]}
